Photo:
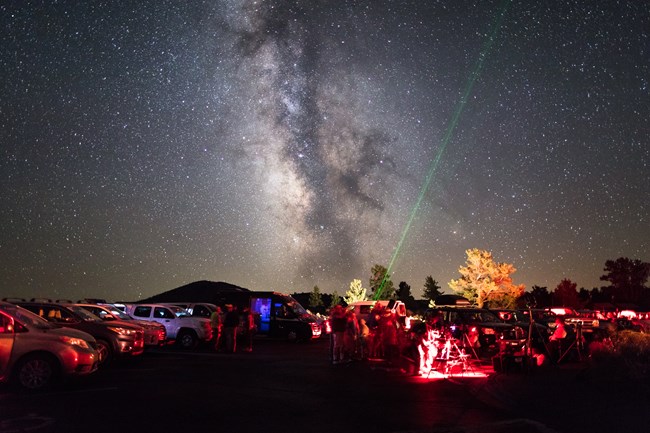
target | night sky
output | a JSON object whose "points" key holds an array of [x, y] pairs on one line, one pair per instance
{"points": [[279, 145]]}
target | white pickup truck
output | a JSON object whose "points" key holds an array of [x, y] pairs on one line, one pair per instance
{"points": [[186, 330]]}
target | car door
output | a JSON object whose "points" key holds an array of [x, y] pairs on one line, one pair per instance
{"points": [[7, 335], [165, 316]]}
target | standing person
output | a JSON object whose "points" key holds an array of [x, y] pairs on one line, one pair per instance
{"points": [[388, 330], [216, 321], [230, 325], [350, 336], [248, 329], [338, 322], [364, 333]]}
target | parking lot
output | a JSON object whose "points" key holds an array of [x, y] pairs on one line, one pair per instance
{"points": [[286, 387], [280, 386]]}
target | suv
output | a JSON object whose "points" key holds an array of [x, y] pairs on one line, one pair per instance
{"points": [[154, 333], [188, 331], [478, 328], [116, 339], [34, 352]]}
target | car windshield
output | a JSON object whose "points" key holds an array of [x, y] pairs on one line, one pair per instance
{"points": [[482, 316], [178, 311], [295, 306], [27, 317], [120, 314], [84, 314]]}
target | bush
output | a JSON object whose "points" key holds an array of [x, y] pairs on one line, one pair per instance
{"points": [[627, 357]]}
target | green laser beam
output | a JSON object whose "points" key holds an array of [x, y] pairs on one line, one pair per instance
{"points": [[487, 46]]}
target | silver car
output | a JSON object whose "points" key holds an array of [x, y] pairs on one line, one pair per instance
{"points": [[35, 352]]}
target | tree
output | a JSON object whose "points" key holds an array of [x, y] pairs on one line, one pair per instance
{"points": [[336, 299], [484, 281], [627, 278], [381, 285], [542, 296], [356, 293], [565, 294], [404, 293], [431, 289], [315, 298]]}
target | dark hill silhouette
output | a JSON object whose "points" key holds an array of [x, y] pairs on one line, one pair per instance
{"points": [[198, 291]]}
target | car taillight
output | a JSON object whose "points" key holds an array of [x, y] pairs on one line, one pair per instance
{"points": [[488, 331]]}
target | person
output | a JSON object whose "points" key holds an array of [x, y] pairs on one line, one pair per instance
{"points": [[427, 348], [560, 331], [350, 336], [338, 322], [364, 333], [557, 338], [388, 331], [230, 325], [216, 321], [248, 329]]}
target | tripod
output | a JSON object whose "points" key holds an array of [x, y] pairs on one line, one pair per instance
{"points": [[577, 343], [452, 356]]}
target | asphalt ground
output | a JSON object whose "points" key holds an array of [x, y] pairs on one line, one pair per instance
{"points": [[289, 387]]}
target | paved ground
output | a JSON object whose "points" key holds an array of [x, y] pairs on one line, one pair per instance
{"points": [[283, 387], [573, 398]]}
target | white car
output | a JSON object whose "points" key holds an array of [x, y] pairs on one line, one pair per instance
{"points": [[188, 331]]}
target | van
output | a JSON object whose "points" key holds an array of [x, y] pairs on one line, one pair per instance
{"points": [[276, 314]]}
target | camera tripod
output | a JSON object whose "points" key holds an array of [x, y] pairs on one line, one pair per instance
{"points": [[452, 357]]}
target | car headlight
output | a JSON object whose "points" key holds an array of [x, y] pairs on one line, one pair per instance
{"points": [[75, 342], [121, 331]]}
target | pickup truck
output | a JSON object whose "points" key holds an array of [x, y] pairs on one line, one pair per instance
{"points": [[187, 331]]}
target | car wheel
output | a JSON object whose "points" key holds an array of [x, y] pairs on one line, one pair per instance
{"points": [[187, 339], [103, 352], [36, 371]]}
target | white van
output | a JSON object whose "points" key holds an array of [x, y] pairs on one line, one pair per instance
{"points": [[362, 310]]}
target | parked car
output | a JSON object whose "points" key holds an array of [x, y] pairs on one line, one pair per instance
{"points": [[34, 352], [116, 339], [478, 328], [155, 333], [539, 333], [195, 309], [188, 331]]}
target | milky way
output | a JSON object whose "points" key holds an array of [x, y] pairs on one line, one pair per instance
{"points": [[282, 145]]}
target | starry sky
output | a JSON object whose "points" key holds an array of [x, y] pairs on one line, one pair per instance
{"points": [[279, 145]]}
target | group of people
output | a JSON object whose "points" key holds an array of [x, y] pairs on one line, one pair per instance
{"points": [[354, 338], [228, 326]]}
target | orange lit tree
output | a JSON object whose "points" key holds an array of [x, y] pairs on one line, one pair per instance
{"points": [[485, 282]]}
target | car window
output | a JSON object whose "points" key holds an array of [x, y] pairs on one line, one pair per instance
{"points": [[142, 311], [83, 313], [162, 313], [201, 311], [5, 325], [178, 311], [27, 317]]}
